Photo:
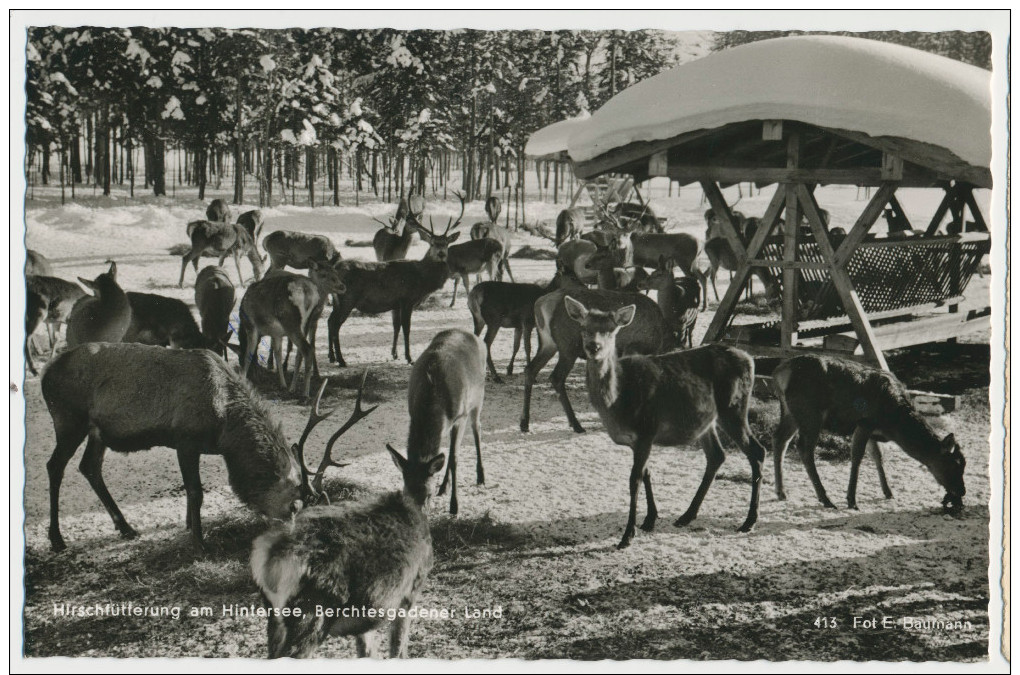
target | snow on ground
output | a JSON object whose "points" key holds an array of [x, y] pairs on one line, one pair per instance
{"points": [[538, 540]]}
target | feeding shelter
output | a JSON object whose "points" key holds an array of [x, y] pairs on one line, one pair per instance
{"points": [[806, 111]]}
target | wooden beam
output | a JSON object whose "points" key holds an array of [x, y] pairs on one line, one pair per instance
{"points": [[788, 321], [909, 333], [722, 210], [772, 130], [892, 167], [658, 164], [784, 264], [894, 204], [616, 158], [774, 352], [842, 282], [767, 175], [864, 223], [729, 301], [975, 211]]}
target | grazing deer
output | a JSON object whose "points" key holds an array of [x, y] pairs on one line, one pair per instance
{"points": [[397, 286], [35, 313], [252, 222], [37, 264], [61, 297], [472, 257], [444, 394], [678, 300], [817, 392], [569, 224], [131, 397], [165, 322], [669, 399], [298, 250], [217, 212], [499, 304], [214, 297], [720, 255], [103, 317], [647, 334], [348, 557], [286, 305], [393, 241], [222, 239]]}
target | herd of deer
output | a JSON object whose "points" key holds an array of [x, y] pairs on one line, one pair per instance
{"points": [[646, 381]]}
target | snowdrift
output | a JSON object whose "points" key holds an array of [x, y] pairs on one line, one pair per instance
{"points": [[855, 84]]}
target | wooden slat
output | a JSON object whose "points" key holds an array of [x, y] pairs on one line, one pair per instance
{"points": [[796, 264], [975, 211], [619, 157], [768, 175], [908, 333], [772, 130], [722, 210], [864, 223], [773, 352], [940, 212]]}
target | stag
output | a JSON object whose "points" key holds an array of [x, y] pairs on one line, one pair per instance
{"points": [[397, 286], [395, 238], [222, 239]]}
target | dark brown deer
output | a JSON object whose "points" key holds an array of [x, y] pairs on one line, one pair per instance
{"points": [[445, 394], [397, 286], [218, 212], [165, 322], [286, 305], [37, 264], [668, 399], [472, 257], [252, 222], [298, 250], [349, 557], [647, 334], [613, 272], [678, 299], [817, 392], [395, 238], [222, 239], [214, 297], [131, 397], [103, 317], [61, 297], [646, 248], [500, 304]]}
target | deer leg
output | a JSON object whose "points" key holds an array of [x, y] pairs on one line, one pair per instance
{"points": [[336, 319], [366, 644], [858, 444], [313, 328], [559, 383], [276, 345], [808, 440], [395, 314], [518, 331], [91, 467], [405, 316], [185, 259], [711, 276], [398, 635], [545, 352], [276, 630], [490, 335], [69, 437], [189, 462], [527, 345], [451, 469], [250, 349], [785, 432], [876, 453], [506, 264], [734, 423], [456, 279], [237, 261], [641, 450], [714, 457], [477, 432]]}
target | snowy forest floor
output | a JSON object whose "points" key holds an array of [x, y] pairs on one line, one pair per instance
{"points": [[538, 540]]}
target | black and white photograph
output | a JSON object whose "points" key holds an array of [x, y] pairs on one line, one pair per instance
{"points": [[711, 306]]}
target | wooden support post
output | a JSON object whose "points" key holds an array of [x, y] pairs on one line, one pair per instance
{"points": [[722, 210], [788, 323], [841, 280], [729, 301], [975, 212], [863, 225], [894, 204]]}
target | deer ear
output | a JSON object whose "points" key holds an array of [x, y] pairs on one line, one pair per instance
{"points": [[949, 443], [456, 235], [435, 465], [113, 269], [397, 458], [88, 284], [575, 310], [624, 315]]}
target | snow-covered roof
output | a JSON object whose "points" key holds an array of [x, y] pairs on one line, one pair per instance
{"points": [[552, 140], [844, 83]]}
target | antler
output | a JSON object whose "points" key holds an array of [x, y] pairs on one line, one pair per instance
{"points": [[327, 459], [539, 230], [453, 225], [314, 417]]}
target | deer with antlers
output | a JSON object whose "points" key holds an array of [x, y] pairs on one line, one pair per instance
{"points": [[223, 239], [397, 286], [130, 397], [493, 230], [347, 557]]}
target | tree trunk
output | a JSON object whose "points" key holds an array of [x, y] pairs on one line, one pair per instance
{"points": [[130, 166], [46, 164], [201, 159], [75, 161], [88, 149], [310, 174], [155, 162], [238, 147]]}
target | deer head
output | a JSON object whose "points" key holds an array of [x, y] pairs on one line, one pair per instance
{"points": [[948, 471], [439, 244], [599, 328]]}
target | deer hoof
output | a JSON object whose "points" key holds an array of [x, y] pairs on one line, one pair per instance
{"points": [[747, 526], [683, 520], [57, 544], [497, 379], [525, 427], [625, 542], [852, 505], [781, 496], [827, 504], [128, 532], [649, 523], [578, 429]]}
